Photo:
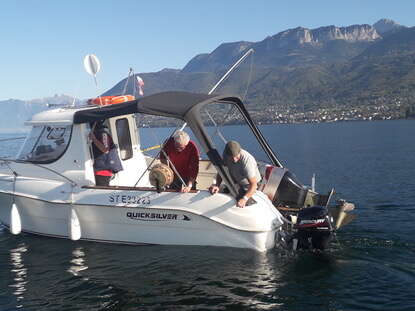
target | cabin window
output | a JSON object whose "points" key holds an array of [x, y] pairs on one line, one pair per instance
{"points": [[45, 144], [124, 139]]}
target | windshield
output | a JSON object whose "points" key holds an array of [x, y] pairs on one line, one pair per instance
{"points": [[45, 144]]}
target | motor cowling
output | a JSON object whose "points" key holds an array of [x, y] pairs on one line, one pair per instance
{"points": [[314, 228]]}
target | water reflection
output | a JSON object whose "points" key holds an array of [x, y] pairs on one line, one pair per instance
{"points": [[264, 284], [20, 272], [78, 262]]}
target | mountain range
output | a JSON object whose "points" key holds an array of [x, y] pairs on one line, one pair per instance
{"points": [[298, 69], [23, 110], [307, 68]]}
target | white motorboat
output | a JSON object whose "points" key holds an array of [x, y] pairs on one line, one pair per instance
{"points": [[49, 189]]}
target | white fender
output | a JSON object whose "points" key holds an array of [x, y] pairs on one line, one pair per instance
{"points": [[15, 222], [74, 225]]}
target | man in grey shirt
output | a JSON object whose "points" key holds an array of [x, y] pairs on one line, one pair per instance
{"points": [[244, 170]]}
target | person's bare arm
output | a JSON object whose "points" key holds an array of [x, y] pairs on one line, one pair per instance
{"points": [[100, 146], [251, 190], [215, 187]]}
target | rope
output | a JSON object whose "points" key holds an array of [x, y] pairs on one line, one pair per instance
{"points": [[38, 165], [14, 138], [14, 180], [128, 80], [219, 124], [14, 187], [249, 77], [154, 159], [158, 155], [151, 148]]}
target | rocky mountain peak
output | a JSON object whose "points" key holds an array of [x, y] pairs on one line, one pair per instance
{"points": [[349, 33], [302, 35], [299, 35], [219, 58], [292, 46], [385, 25]]}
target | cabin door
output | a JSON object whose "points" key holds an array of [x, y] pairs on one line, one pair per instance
{"points": [[124, 134]]}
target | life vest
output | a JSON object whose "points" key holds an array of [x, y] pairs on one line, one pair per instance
{"points": [[110, 100], [108, 161]]}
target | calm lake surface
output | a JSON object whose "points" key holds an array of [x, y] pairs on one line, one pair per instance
{"points": [[371, 164]]}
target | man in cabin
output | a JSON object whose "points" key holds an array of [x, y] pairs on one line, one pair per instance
{"points": [[243, 168], [106, 160], [182, 153]]}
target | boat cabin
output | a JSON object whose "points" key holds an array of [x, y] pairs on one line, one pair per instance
{"points": [[59, 141]]}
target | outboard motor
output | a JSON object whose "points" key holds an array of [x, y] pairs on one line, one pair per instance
{"points": [[314, 228], [282, 187]]}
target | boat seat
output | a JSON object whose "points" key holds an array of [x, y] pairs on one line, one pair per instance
{"points": [[207, 174]]}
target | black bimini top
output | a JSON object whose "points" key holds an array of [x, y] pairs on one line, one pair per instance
{"points": [[166, 104], [181, 105]]}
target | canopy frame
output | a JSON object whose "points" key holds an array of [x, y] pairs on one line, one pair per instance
{"points": [[185, 106]]}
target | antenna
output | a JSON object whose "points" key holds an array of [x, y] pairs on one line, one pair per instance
{"points": [[230, 70], [238, 62]]}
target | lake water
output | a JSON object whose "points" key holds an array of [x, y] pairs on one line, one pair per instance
{"points": [[372, 164]]}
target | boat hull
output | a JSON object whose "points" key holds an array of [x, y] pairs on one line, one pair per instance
{"points": [[131, 225]]}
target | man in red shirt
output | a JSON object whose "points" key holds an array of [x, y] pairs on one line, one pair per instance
{"points": [[183, 154]]}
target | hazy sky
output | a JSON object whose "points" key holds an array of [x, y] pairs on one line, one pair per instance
{"points": [[43, 42]]}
